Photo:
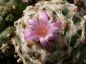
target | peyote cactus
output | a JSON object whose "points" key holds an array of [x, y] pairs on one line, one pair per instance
{"points": [[50, 32]]}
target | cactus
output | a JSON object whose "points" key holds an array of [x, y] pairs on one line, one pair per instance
{"points": [[62, 43], [7, 16], [50, 32], [2, 24], [5, 35]]}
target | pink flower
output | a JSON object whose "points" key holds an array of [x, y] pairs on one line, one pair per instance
{"points": [[42, 30]]}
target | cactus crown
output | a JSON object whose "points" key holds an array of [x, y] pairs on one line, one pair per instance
{"points": [[69, 26]]}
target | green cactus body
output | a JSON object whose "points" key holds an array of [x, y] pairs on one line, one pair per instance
{"points": [[4, 36], [2, 24]]}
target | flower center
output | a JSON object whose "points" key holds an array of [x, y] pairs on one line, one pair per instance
{"points": [[42, 31]]}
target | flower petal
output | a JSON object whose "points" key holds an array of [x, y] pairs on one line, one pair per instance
{"points": [[32, 38], [57, 24], [53, 30], [44, 42], [29, 35], [32, 28], [43, 16], [33, 21], [50, 37], [28, 31]]}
